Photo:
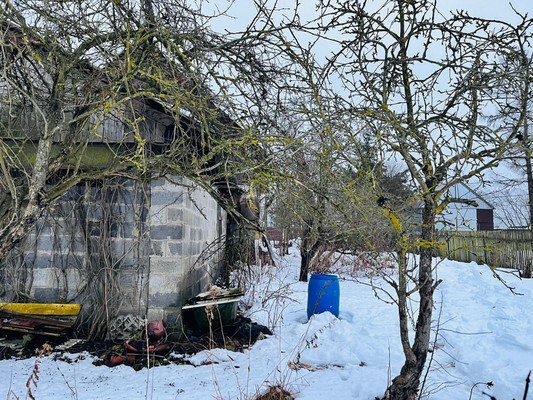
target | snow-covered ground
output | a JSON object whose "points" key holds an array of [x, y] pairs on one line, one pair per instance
{"points": [[484, 335]]}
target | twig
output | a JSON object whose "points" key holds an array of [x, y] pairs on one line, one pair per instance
{"points": [[489, 384], [74, 392], [527, 386]]}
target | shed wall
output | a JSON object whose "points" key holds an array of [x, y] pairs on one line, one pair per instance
{"points": [[159, 243]]}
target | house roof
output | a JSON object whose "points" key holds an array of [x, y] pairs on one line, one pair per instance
{"points": [[153, 116], [474, 196], [477, 196]]}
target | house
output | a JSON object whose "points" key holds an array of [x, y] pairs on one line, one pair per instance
{"points": [[124, 243], [152, 243], [464, 216]]}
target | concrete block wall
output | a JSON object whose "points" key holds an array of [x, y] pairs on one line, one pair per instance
{"points": [[163, 238], [185, 222], [67, 243]]}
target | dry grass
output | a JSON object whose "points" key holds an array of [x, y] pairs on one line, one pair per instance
{"points": [[275, 393]]}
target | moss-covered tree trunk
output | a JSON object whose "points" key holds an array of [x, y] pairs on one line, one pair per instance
{"points": [[36, 202], [405, 385]]}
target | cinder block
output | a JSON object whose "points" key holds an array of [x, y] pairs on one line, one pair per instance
{"points": [[158, 214], [47, 295], [175, 249], [127, 279], [95, 212], [186, 231], [157, 183], [199, 221], [129, 215], [160, 300], [73, 261], [76, 281], [157, 247], [44, 277], [176, 180], [170, 232], [198, 248], [166, 265], [164, 283], [188, 217], [41, 260], [122, 246], [174, 214], [127, 196], [45, 243], [202, 233], [178, 236], [43, 227], [163, 197]]}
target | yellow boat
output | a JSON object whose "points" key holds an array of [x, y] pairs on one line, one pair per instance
{"points": [[38, 318]]}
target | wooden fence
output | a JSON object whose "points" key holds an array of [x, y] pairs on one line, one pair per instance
{"points": [[506, 249]]}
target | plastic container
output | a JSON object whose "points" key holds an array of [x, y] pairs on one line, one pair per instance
{"points": [[323, 294], [221, 312], [212, 309]]}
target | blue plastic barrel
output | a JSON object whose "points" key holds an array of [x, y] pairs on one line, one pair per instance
{"points": [[323, 294]]}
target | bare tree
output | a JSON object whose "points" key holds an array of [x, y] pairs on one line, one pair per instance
{"points": [[74, 74], [419, 80], [512, 205], [515, 91]]}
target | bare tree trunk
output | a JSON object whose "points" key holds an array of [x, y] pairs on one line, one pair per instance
{"points": [[527, 273], [405, 385], [304, 265], [18, 230], [308, 250], [285, 238], [305, 252]]}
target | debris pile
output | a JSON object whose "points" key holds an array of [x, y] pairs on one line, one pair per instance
{"points": [[151, 346]]}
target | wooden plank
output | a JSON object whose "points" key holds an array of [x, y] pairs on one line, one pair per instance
{"points": [[40, 325], [38, 321], [45, 333], [41, 308], [211, 303]]}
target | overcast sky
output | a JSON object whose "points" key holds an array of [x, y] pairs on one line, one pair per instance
{"points": [[489, 8], [242, 12]]}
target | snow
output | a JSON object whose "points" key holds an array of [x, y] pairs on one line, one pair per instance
{"points": [[483, 336]]}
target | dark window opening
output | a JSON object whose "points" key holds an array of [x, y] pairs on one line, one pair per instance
{"points": [[485, 220]]}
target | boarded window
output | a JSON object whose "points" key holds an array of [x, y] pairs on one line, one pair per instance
{"points": [[485, 220]]}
